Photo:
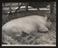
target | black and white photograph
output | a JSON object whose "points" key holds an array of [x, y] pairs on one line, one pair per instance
{"points": [[29, 23]]}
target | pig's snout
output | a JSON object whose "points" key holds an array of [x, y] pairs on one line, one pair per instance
{"points": [[43, 29]]}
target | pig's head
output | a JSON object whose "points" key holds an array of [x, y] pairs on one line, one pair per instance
{"points": [[44, 27]]}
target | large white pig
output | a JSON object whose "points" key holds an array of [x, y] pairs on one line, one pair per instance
{"points": [[27, 24]]}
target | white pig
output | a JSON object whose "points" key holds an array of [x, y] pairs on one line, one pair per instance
{"points": [[27, 24]]}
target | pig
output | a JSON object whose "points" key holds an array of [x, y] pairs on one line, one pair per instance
{"points": [[28, 24]]}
